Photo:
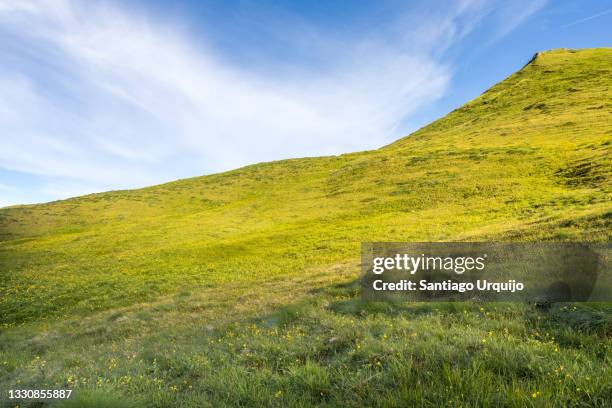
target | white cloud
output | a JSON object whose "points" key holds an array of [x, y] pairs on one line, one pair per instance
{"points": [[97, 95]]}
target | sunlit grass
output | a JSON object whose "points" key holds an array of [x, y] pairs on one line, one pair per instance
{"points": [[222, 289]]}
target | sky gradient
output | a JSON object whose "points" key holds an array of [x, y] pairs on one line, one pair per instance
{"points": [[98, 96]]}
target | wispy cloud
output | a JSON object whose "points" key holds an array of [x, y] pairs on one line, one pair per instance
{"points": [[582, 20], [96, 95]]}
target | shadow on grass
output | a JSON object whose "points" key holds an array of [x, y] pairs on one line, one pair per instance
{"points": [[591, 318]]}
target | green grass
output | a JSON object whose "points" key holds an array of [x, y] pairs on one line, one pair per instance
{"points": [[223, 289]]}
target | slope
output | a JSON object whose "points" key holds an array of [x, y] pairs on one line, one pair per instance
{"points": [[530, 158], [235, 289]]}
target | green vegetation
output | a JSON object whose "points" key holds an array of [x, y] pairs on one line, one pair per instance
{"points": [[235, 288]]}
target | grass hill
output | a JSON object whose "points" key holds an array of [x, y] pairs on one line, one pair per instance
{"points": [[235, 288]]}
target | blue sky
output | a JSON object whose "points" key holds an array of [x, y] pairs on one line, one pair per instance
{"points": [[98, 96]]}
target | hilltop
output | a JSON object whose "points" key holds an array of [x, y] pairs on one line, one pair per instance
{"points": [[529, 159]]}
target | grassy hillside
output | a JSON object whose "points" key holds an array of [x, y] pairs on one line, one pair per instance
{"points": [[235, 288]]}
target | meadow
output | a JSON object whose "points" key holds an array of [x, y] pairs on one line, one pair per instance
{"points": [[238, 289]]}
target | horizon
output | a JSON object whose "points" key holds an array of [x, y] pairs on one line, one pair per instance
{"points": [[85, 115]]}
